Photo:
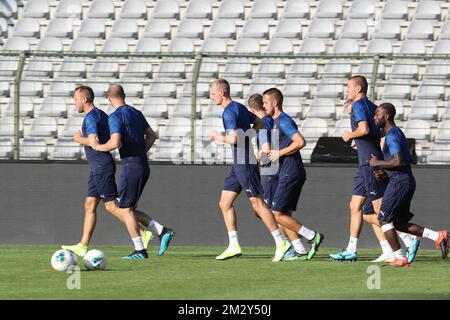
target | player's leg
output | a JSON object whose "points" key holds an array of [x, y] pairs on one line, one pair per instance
{"points": [[298, 250]]}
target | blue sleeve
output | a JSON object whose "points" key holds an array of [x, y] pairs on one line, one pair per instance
{"points": [[288, 127], [91, 125], [359, 113], [394, 144], [264, 135], [145, 124], [229, 121], [114, 124]]}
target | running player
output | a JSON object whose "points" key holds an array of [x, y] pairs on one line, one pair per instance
{"points": [[128, 128], [244, 173], [395, 208]]}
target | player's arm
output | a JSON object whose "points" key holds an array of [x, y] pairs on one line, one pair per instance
{"points": [[150, 138], [111, 144], [230, 137], [361, 131], [297, 142], [258, 124], [90, 141], [395, 162]]}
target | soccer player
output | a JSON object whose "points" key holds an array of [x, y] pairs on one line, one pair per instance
{"points": [[395, 208], [367, 138], [270, 179], [101, 183], [291, 173], [128, 128], [244, 173]]}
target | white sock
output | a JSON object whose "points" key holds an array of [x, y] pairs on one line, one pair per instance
{"points": [[399, 254], [430, 234], [305, 232], [155, 227], [406, 238], [387, 250], [298, 246], [233, 238], [277, 236], [352, 244], [138, 245]]}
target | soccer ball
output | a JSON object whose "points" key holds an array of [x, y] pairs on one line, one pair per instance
{"points": [[95, 260], [63, 260]]}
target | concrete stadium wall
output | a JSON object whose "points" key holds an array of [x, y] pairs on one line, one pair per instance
{"points": [[42, 203]]}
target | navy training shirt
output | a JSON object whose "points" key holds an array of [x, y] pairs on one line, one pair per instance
{"points": [[286, 128], [264, 135], [237, 117], [395, 142], [131, 124], [364, 110], [96, 122]]}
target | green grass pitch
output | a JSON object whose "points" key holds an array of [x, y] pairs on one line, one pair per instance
{"points": [[192, 273]]}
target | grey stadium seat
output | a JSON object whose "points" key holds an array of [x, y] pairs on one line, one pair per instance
{"points": [[27, 27], [76, 67], [431, 89], [133, 89], [26, 107], [274, 67], [166, 9], [341, 67], [72, 125], [3, 27], [134, 9], [445, 31], [6, 148], [329, 9], [61, 89], [288, 28], [340, 126], [175, 67], [31, 88], [50, 44], [420, 29], [36, 9], [306, 67], [92, 28], [408, 68], [321, 28], [158, 28], [443, 132], [417, 129], [355, 28], [241, 67], [109, 67], [69, 9], [264, 9], [293, 107], [361, 9], [387, 29], [177, 128], [155, 107], [125, 28], [60, 28], [395, 9], [52, 107], [231, 9], [256, 29], [259, 85], [42, 66], [213, 111], [33, 149], [428, 10], [165, 88], [379, 46], [322, 108], [199, 9], [223, 28], [8, 9], [190, 29], [296, 9], [439, 153], [43, 127], [7, 127], [4, 87], [66, 149], [439, 68], [424, 109], [397, 89], [330, 88], [142, 67], [101, 9], [314, 128], [296, 87], [210, 67], [183, 108]]}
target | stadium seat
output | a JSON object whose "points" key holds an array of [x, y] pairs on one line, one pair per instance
{"points": [[314, 128], [431, 89], [396, 89], [362, 9], [296, 87], [355, 28], [288, 28], [330, 88], [60, 28], [92, 28], [155, 107], [387, 29], [257, 29], [134, 9], [177, 129], [168, 150], [9, 64], [274, 67], [259, 85], [52, 107], [6, 148], [8, 9], [420, 29], [100, 88], [209, 67], [166, 9], [213, 111], [66, 149], [207, 125], [73, 66], [72, 125], [321, 28], [31, 88], [443, 132], [296, 9], [231, 9], [324, 108], [101, 9], [423, 109], [417, 129], [445, 31], [395, 9], [190, 29], [202, 89], [163, 88], [158, 28], [341, 68], [27, 27], [199, 9], [439, 68], [25, 106], [33, 149], [293, 106], [69, 9], [125, 28], [306, 67], [43, 127], [223, 28], [241, 67], [4, 88], [379, 46], [175, 67], [329, 9], [3, 27], [61, 89], [109, 67], [399, 108], [133, 89], [7, 127], [439, 154], [264, 9], [340, 126], [428, 10], [36, 9]]}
